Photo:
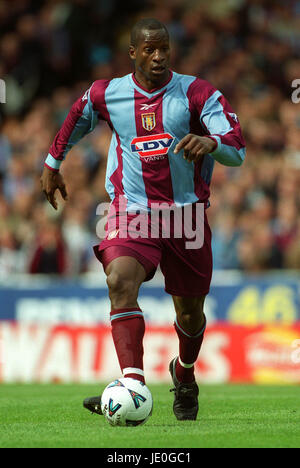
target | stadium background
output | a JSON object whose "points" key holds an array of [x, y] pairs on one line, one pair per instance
{"points": [[53, 301]]}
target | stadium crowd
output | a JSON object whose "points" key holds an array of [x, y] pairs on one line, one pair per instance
{"points": [[50, 53]]}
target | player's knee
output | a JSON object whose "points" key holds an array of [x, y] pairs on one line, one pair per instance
{"points": [[191, 322], [190, 313], [122, 287], [187, 315]]}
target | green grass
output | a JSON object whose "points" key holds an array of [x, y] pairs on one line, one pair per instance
{"points": [[229, 416]]}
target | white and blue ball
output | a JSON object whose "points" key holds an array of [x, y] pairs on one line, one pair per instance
{"points": [[126, 402]]}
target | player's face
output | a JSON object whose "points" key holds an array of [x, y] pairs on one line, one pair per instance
{"points": [[152, 56]]}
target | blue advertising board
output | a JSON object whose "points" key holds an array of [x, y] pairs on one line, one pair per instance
{"points": [[233, 298]]}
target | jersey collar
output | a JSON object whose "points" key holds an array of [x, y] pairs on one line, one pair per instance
{"points": [[154, 90]]}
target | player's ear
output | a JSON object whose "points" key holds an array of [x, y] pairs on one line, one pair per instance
{"points": [[132, 52]]}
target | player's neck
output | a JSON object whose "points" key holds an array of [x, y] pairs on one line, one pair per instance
{"points": [[151, 85]]}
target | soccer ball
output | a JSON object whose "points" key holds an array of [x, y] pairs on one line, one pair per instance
{"points": [[126, 402]]}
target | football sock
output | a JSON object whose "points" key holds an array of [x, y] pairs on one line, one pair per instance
{"points": [[128, 329], [189, 348]]}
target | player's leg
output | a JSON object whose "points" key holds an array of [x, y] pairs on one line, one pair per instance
{"points": [[187, 274], [125, 275], [124, 278], [127, 263], [190, 325]]}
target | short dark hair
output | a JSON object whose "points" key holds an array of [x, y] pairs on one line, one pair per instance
{"points": [[151, 24]]}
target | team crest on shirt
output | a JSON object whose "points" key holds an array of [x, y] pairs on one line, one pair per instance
{"points": [[149, 121]]}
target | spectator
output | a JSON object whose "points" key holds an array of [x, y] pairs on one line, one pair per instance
{"points": [[49, 255]]}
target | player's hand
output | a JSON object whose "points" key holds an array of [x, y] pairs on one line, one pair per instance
{"points": [[50, 182], [195, 147]]}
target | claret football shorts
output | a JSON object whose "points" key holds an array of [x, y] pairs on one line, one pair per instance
{"points": [[187, 271]]}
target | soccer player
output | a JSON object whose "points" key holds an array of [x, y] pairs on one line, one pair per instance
{"points": [[168, 130]]}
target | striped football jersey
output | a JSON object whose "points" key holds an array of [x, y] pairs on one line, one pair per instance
{"points": [[146, 127]]}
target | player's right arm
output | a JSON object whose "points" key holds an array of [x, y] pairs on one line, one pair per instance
{"points": [[80, 121]]}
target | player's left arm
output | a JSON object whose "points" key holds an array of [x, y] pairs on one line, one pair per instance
{"points": [[224, 140]]}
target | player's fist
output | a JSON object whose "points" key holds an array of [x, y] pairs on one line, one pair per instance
{"points": [[195, 147], [50, 182]]}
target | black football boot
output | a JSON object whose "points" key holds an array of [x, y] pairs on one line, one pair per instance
{"points": [[185, 404], [93, 404]]}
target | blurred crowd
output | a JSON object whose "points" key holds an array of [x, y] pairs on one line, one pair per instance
{"points": [[50, 53]]}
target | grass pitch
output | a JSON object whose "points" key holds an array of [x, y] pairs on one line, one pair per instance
{"points": [[230, 416]]}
